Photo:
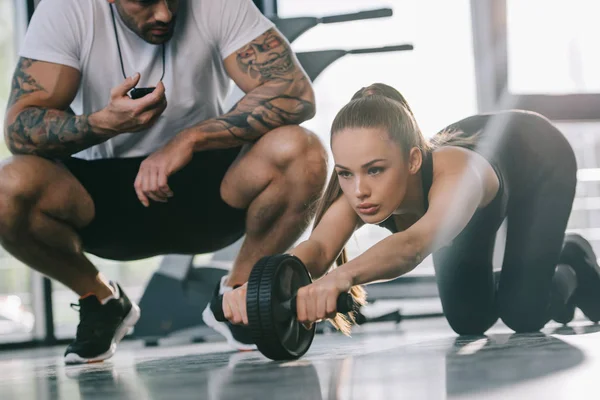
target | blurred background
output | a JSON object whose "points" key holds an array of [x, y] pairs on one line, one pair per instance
{"points": [[469, 56]]}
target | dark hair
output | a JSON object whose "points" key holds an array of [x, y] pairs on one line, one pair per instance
{"points": [[381, 106], [384, 90]]}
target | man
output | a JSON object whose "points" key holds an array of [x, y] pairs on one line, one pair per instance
{"points": [[125, 175]]}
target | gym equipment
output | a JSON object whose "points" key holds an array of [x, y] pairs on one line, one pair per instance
{"points": [[271, 307], [292, 28], [314, 62], [189, 290]]}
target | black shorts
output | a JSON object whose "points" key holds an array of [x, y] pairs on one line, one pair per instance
{"points": [[195, 220]]}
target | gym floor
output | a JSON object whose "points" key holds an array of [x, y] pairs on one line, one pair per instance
{"points": [[417, 359]]}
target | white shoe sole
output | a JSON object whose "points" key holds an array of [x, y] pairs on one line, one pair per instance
{"points": [[129, 322], [221, 327]]}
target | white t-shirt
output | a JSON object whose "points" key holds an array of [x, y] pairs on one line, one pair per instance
{"points": [[80, 34]]}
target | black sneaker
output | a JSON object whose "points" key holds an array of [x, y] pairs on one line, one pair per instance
{"points": [[578, 253], [101, 327], [238, 336]]}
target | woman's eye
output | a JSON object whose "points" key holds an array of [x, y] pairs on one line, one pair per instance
{"points": [[343, 174], [375, 170]]}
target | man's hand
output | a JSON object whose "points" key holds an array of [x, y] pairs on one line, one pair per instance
{"points": [[123, 114], [234, 305], [151, 181]]}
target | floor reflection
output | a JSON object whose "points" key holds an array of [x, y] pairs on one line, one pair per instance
{"points": [[484, 363], [370, 366]]}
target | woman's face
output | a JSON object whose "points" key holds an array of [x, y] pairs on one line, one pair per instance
{"points": [[372, 171]]}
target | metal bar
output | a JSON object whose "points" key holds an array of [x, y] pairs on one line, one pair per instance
{"points": [[484, 54], [379, 13], [37, 305], [49, 314], [21, 19], [385, 49]]}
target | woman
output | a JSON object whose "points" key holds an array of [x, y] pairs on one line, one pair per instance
{"points": [[448, 197]]}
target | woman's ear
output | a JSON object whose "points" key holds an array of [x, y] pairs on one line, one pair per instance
{"points": [[415, 159]]}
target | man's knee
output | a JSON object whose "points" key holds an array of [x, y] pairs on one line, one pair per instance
{"points": [[20, 189], [33, 184], [289, 155], [292, 145], [301, 159]]}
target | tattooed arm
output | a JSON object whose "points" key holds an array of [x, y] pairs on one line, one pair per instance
{"points": [[278, 92], [39, 121]]}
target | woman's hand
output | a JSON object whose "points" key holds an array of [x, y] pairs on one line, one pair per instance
{"points": [[319, 299], [234, 305]]}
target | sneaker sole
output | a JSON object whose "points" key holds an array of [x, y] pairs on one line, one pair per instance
{"points": [[128, 322], [221, 327]]}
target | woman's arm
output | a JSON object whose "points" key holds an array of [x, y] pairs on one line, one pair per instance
{"points": [[465, 181], [328, 238]]}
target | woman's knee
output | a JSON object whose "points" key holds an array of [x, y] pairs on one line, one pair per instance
{"points": [[467, 322], [523, 316]]}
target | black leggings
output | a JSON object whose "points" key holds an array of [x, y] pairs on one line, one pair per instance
{"points": [[471, 298]]}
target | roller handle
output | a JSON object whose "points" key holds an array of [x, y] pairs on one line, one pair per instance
{"points": [[345, 304], [216, 306]]}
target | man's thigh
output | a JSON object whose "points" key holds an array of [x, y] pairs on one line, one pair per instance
{"points": [[195, 220]]}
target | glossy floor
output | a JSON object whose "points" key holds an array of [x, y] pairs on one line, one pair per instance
{"points": [[415, 360]]}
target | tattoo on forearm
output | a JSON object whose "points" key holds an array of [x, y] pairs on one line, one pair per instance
{"points": [[281, 97], [42, 131], [50, 133], [260, 113], [247, 123]]}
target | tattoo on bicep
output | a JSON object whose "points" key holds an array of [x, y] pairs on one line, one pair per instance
{"points": [[266, 57], [23, 83]]}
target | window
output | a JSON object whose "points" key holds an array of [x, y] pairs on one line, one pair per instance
{"points": [[437, 77], [547, 66], [16, 302], [559, 55]]}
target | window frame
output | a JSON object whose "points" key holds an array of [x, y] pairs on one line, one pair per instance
{"points": [[489, 26]]}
